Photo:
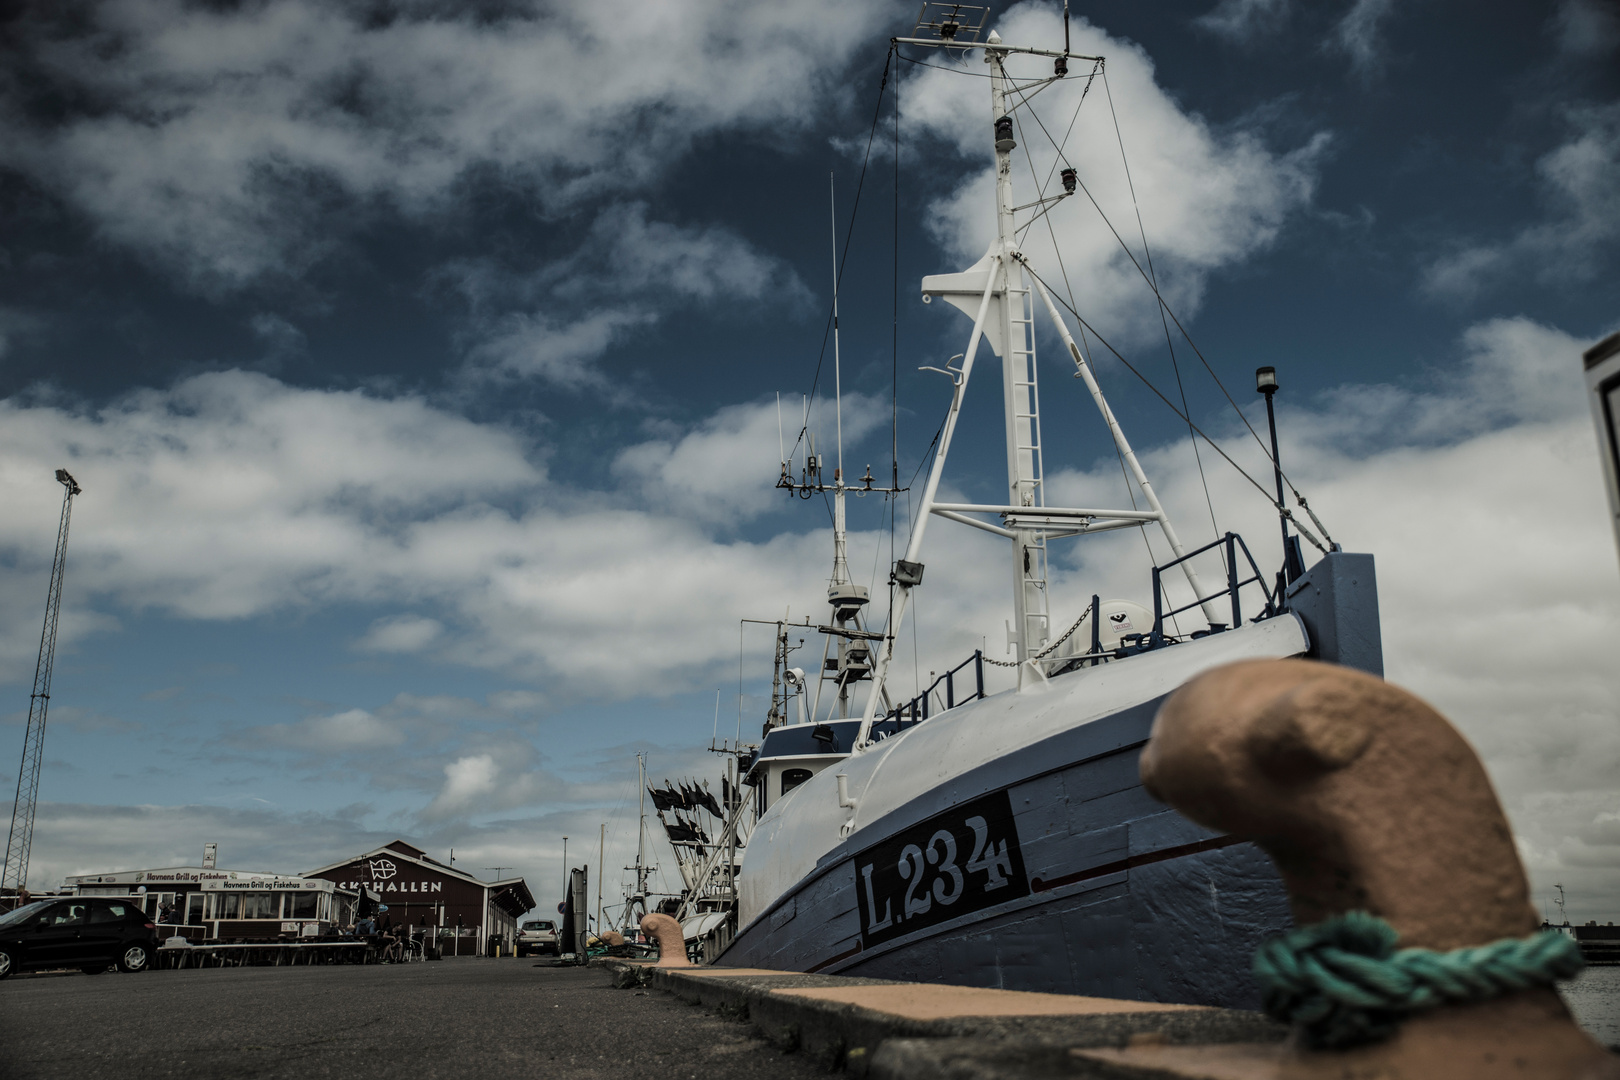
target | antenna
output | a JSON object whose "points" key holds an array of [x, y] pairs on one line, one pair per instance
{"points": [[715, 734], [1060, 66], [951, 25], [20, 841], [497, 870], [838, 376]]}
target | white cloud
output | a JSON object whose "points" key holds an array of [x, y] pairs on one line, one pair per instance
{"points": [[1209, 198], [400, 634], [1574, 240], [521, 344], [1358, 35], [626, 273], [220, 140], [351, 730], [468, 782], [726, 467], [1243, 20], [233, 495], [673, 262]]}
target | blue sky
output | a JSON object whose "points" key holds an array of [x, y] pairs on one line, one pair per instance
{"points": [[420, 367]]}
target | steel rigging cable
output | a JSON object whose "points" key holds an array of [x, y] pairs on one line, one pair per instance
{"points": [[1163, 303], [1169, 405]]}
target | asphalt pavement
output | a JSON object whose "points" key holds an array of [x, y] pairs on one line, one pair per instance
{"points": [[484, 1018]]}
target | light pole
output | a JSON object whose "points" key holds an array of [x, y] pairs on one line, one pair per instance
{"points": [[565, 868], [1265, 381]]}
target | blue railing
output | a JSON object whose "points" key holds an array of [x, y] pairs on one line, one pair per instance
{"points": [[917, 708], [1233, 543]]}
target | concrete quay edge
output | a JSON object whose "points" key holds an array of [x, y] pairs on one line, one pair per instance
{"points": [[893, 1030]]}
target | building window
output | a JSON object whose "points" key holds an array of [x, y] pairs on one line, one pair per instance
{"points": [[260, 906], [227, 905], [194, 908], [303, 905], [792, 778]]}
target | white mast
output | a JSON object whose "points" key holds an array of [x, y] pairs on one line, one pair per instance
{"points": [[1019, 395], [844, 595], [840, 575], [989, 291], [641, 833]]}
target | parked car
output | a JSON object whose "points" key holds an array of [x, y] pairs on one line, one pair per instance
{"points": [[89, 933], [537, 936]]}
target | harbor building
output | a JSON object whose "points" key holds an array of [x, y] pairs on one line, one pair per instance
{"points": [[232, 905], [421, 891], [179, 888]]}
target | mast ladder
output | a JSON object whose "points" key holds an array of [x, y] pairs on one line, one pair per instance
{"points": [[1030, 487]]}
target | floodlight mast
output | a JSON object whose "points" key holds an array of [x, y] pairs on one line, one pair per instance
{"points": [[987, 292], [20, 840]]}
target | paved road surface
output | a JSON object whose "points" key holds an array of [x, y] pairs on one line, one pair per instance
{"points": [[488, 1019]]}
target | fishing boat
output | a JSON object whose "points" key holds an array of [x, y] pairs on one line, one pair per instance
{"points": [[1005, 839]]}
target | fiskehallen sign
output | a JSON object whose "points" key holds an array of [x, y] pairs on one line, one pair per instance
{"points": [[381, 875]]}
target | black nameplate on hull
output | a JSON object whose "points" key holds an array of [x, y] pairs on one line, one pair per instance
{"points": [[948, 866]]}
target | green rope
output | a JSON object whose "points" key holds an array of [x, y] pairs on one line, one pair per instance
{"points": [[1345, 983]]}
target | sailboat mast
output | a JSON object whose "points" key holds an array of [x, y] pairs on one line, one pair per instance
{"points": [[641, 833]]}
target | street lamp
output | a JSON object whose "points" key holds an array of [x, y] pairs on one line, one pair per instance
{"points": [[565, 868], [1265, 382]]}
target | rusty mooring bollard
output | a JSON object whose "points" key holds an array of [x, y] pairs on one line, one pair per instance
{"points": [[1417, 951], [671, 942]]}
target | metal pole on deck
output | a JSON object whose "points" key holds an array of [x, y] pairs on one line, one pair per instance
{"points": [[1265, 381]]}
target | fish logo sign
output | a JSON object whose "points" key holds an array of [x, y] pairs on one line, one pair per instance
{"points": [[382, 869]]}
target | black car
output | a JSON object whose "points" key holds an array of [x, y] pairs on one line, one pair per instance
{"points": [[86, 932]]}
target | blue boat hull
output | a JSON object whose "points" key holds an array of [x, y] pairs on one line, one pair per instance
{"points": [[1124, 898], [1108, 893]]}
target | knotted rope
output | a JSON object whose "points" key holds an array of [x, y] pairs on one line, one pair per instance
{"points": [[1345, 983]]}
